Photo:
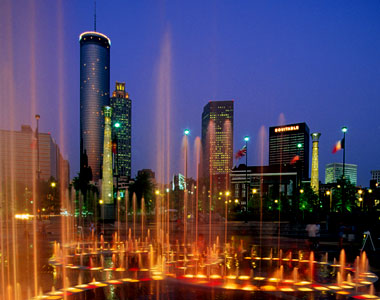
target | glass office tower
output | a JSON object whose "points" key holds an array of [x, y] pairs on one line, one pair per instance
{"points": [[94, 95]]}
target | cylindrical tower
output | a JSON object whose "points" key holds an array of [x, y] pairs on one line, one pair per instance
{"points": [[315, 163], [94, 95], [107, 178]]}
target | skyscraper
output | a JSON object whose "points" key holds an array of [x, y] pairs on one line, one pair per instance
{"points": [[217, 143], [122, 128], [290, 144], [94, 95], [334, 171]]}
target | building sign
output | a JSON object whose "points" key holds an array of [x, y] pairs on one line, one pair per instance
{"points": [[287, 128]]}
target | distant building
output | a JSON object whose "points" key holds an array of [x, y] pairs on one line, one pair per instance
{"points": [[217, 143], [122, 132], [375, 175], [22, 158], [94, 95], [334, 171], [290, 144], [178, 182], [269, 182]]}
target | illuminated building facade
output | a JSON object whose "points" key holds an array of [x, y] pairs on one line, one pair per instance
{"points": [[290, 144], [94, 95], [314, 182], [217, 143], [21, 157], [334, 171], [121, 114], [272, 183]]}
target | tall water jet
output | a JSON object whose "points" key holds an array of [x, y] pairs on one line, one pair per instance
{"points": [[134, 208], [63, 184], [185, 147], [261, 145], [142, 217], [197, 153], [163, 122], [342, 263]]}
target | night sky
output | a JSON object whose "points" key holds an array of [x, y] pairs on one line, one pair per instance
{"points": [[281, 62]]}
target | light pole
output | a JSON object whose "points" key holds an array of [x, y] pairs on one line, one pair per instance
{"points": [[299, 167], [246, 139], [343, 144], [329, 193], [361, 196], [117, 125], [226, 218], [186, 133], [344, 130]]}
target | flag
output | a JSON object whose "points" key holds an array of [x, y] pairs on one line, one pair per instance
{"points": [[338, 146], [295, 159], [242, 152]]}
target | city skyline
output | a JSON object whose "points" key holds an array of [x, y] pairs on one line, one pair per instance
{"points": [[307, 81]]}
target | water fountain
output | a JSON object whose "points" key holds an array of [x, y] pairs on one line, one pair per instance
{"points": [[155, 259]]}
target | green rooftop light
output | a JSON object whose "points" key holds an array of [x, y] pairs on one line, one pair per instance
{"points": [[344, 129], [246, 138], [186, 131], [117, 125]]}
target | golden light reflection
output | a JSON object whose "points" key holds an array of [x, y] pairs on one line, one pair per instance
{"points": [[303, 289], [287, 290]]}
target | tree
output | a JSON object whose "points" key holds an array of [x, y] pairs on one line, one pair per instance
{"points": [[142, 187], [344, 196], [309, 200]]}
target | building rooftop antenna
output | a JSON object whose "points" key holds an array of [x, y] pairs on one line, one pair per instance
{"points": [[94, 15]]}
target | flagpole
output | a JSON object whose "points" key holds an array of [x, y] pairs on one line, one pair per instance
{"points": [[344, 130], [246, 139]]}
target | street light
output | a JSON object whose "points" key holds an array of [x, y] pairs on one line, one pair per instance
{"points": [[227, 193], [186, 132], [53, 184], [329, 193], [344, 130], [246, 139], [117, 125]]}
